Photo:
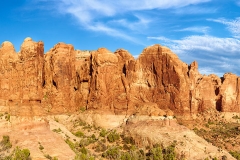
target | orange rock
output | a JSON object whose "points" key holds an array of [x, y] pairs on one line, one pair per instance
{"points": [[65, 80]]}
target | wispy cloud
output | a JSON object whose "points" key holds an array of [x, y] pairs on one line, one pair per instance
{"points": [[99, 27], [199, 29], [204, 43], [196, 10], [208, 50], [97, 16], [133, 25], [208, 71], [232, 25]]}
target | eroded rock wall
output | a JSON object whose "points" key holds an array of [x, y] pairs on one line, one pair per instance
{"points": [[65, 80]]}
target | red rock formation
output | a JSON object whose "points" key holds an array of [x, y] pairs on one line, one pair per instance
{"points": [[22, 78], [159, 76], [65, 80], [230, 93], [60, 79]]}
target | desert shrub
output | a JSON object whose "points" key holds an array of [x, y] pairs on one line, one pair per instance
{"points": [[5, 143], [236, 117], [79, 134], [86, 141], [101, 147], [19, 154], [82, 156], [50, 157], [112, 153], [125, 156], [113, 136], [87, 127], [235, 154], [169, 152], [93, 136], [83, 150], [7, 117], [156, 153], [128, 140], [57, 130], [47, 156], [103, 133], [41, 147], [71, 144], [126, 147], [82, 109]]}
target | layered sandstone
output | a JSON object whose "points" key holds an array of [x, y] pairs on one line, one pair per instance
{"points": [[64, 80]]}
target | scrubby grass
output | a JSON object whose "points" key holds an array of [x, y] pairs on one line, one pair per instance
{"points": [[235, 154], [79, 134], [16, 154], [223, 131], [98, 143], [5, 143], [113, 136], [57, 130]]}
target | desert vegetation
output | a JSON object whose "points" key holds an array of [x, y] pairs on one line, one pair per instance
{"points": [[97, 143], [8, 153], [215, 129]]}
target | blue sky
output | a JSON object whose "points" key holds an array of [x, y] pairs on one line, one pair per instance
{"points": [[207, 31]]}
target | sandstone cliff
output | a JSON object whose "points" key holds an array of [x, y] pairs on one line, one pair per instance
{"points": [[64, 80]]}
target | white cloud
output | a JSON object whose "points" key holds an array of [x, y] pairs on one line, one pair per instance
{"points": [[199, 29], [94, 8], [141, 23], [215, 55], [92, 14], [99, 27], [232, 25], [204, 43], [208, 71]]}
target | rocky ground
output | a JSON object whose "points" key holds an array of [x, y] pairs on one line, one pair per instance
{"points": [[87, 135], [222, 129]]}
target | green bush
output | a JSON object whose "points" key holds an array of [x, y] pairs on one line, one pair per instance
{"points": [[41, 147], [101, 147], [71, 144], [156, 153], [125, 156], [57, 130], [83, 150], [7, 117], [82, 156], [169, 153], [113, 136], [19, 154], [103, 133], [112, 153], [128, 140], [79, 134], [82, 109], [47, 156], [5, 143], [235, 154]]}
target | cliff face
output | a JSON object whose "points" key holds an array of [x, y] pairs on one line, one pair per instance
{"points": [[65, 80]]}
